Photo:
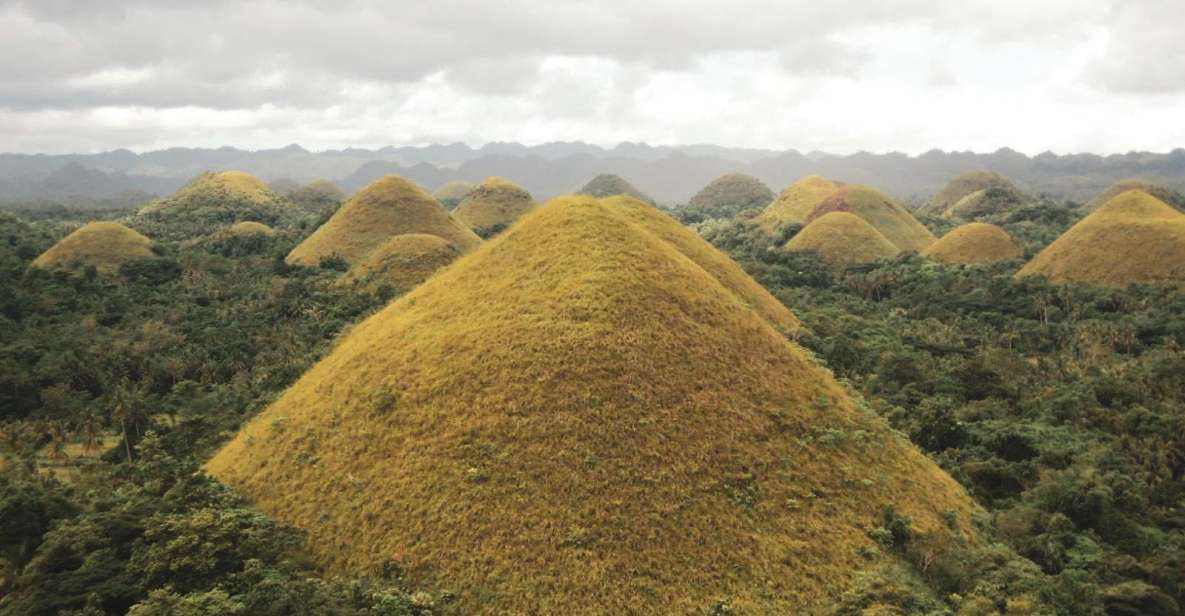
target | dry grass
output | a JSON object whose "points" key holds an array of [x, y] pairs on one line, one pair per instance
{"points": [[452, 193], [1163, 193], [578, 418], [496, 202], [965, 184], [733, 191], [387, 207], [878, 210], [976, 242], [610, 185], [842, 240], [1134, 237], [796, 202], [404, 261], [105, 245], [250, 228], [225, 186]]}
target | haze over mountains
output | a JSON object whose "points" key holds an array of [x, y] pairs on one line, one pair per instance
{"points": [[670, 174]]}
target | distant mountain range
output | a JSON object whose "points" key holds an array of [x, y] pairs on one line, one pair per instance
{"points": [[671, 174]]}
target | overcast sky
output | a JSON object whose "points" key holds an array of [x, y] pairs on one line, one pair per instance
{"points": [[841, 76]]}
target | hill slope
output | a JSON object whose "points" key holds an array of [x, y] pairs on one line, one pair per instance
{"points": [[609, 185], [796, 202], [732, 193], [976, 242], [878, 210], [577, 418], [1163, 193], [404, 261], [842, 239], [979, 191], [450, 194], [493, 205], [104, 245], [212, 201], [388, 207], [1134, 237]]}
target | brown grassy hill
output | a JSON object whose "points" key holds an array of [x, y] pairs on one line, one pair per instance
{"points": [[842, 239], [609, 185], [495, 204], [105, 245], [450, 194], [1134, 237], [226, 186], [878, 210], [387, 207], [250, 228], [976, 242], [796, 202], [404, 261], [1163, 193], [211, 202], [577, 418], [732, 193], [968, 183]]}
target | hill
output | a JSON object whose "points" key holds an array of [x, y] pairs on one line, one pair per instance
{"points": [[250, 228], [730, 194], [842, 240], [878, 210], [610, 185], [212, 201], [796, 202], [1168, 195], [450, 194], [1134, 237], [494, 205], [975, 242], [404, 261], [388, 207], [973, 193], [577, 418], [104, 245]]}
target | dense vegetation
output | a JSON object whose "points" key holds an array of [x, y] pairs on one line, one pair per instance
{"points": [[1061, 409]]}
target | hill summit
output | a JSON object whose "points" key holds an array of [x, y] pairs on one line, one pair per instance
{"points": [[580, 418], [103, 245], [842, 239], [214, 200], [974, 193], [796, 202], [494, 205], [610, 185], [730, 194], [450, 194], [878, 210], [1134, 237], [1163, 193], [404, 261], [976, 242], [389, 206]]}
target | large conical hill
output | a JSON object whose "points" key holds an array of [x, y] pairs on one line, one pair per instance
{"points": [[1134, 237], [213, 200], [878, 210], [579, 418], [796, 202], [404, 261], [973, 243], [494, 205], [842, 239], [974, 193], [610, 185], [730, 194], [1168, 195], [387, 207], [104, 245]]}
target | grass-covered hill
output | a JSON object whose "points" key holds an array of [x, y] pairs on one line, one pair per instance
{"points": [[974, 194], [403, 262], [877, 209], [1168, 195], [796, 202], [388, 207], [493, 206], [102, 245], [611, 185], [1133, 238], [575, 467], [842, 239], [731, 194], [212, 201], [974, 243], [450, 194]]}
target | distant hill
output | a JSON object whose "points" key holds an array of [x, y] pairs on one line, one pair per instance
{"points": [[669, 174]]}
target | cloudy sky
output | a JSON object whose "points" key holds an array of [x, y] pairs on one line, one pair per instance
{"points": [[841, 76]]}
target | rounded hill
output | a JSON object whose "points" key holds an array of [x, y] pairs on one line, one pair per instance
{"points": [[1134, 237], [730, 194], [972, 243], [877, 209], [389, 206], [842, 239], [579, 418], [404, 261], [796, 202], [103, 245], [610, 185], [450, 194], [1165, 194], [974, 193], [494, 205], [212, 201]]}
